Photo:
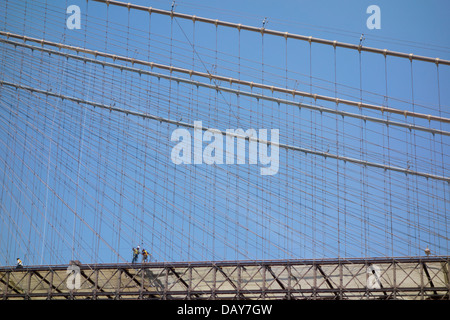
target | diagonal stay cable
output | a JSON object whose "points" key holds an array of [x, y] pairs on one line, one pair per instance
{"points": [[204, 66], [236, 91], [285, 35], [192, 126], [229, 80]]}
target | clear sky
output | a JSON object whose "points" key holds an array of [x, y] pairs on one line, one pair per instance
{"points": [[88, 184]]}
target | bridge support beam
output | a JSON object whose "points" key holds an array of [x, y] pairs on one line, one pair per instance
{"points": [[400, 278]]}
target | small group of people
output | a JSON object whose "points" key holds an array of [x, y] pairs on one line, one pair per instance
{"points": [[136, 252]]}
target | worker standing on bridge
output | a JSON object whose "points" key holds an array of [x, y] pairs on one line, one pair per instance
{"points": [[135, 254], [144, 255], [19, 264]]}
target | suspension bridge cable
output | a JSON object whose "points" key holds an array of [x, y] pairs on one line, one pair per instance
{"points": [[230, 80], [263, 30], [192, 126]]}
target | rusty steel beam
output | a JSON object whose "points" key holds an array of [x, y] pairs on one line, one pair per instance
{"points": [[245, 263]]}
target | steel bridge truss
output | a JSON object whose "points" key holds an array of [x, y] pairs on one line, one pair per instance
{"points": [[422, 278]]}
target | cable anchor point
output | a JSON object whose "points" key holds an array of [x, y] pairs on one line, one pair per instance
{"points": [[361, 39]]}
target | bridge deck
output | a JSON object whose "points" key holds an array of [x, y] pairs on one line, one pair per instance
{"points": [[377, 278]]}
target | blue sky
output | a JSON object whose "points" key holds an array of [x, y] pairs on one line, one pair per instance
{"points": [[89, 184]]}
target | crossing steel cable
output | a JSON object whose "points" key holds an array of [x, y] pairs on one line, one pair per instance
{"points": [[230, 80], [188, 125], [137, 30], [263, 30], [287, 220]]}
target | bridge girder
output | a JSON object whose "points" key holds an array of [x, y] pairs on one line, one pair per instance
{"points": [[351, 279]]}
